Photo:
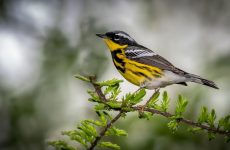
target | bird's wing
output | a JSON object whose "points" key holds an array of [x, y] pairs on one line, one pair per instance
{"points": [[148, 57]]}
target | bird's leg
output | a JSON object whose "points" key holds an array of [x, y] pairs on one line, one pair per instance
{"points": [[142, 85], [156, 91], [138, 89]]}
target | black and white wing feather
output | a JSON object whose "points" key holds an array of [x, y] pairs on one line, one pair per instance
{"points": [[148, 57], [133, 52]]}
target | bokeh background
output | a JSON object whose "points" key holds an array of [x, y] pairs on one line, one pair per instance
{"points": [[44, 43]]}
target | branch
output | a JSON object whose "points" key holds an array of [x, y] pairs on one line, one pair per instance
{"points": [[87, 133], [162, 113], [102, 133], [97, 89], [103, 98], [185, 121]]}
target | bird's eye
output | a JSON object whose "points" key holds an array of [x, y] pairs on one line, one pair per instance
{"points": [[116, 37]]}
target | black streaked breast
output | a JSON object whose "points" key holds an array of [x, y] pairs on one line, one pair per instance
{"points": [[118, 60]]}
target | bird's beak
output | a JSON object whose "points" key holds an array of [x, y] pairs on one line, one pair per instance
{"points": [[101, 36]]}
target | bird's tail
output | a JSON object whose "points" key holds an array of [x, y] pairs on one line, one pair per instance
{"points": [[200, 80]]}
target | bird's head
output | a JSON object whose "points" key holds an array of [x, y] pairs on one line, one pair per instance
{"points": [[117, 39]]}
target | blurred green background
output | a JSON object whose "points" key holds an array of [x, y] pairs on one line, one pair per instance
{"points": [[44, 43]]}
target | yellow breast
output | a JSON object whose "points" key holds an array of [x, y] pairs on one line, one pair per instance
{"points": [[138, 73], [132, 71]]}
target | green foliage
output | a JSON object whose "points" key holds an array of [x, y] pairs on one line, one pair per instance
{"points": [[82, 78], [61, 145], [137, 97], [203, 117], [94, 122], [224, 123], [109, 83], [181, 106], [211, 136], [109, 145], [145, 115], [227, 139], [77, 135], [89, 132], [102, 117], [165, 102], [162, 105], [131, 99], [153, 100], [212, 118], [194, 129], [179, 110], [113, 131], [173, 125], [206, 117], [94, 97], [113, 91]]}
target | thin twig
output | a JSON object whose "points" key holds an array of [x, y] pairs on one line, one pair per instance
{"points": [[102, 133], [97, 89]]}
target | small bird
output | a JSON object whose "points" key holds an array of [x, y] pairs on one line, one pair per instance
{"points": [[143, 67]]}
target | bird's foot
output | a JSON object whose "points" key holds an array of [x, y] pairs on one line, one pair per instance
{"points": [[142, 107]]}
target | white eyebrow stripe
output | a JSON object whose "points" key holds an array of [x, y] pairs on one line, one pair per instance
{"points": [[125, 36]]}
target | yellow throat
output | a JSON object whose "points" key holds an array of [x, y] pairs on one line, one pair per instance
{"points": [[113, 46]]}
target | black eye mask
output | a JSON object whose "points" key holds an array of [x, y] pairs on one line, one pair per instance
{"points": [[124, 39]]}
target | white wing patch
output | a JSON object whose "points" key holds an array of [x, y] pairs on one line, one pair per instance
{"points": [[137, 53]]}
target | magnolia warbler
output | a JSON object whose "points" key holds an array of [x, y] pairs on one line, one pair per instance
{"points": [[143, 67]]}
